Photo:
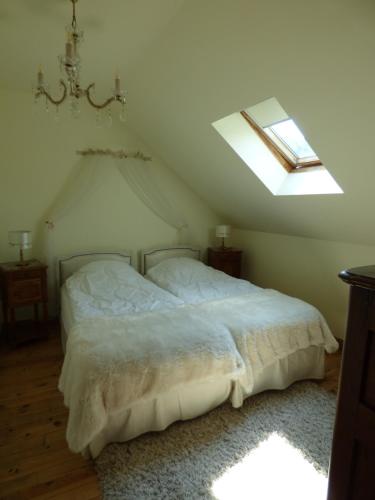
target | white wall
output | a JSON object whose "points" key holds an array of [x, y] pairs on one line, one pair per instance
{"points": [[37, 157], [305, 268]]}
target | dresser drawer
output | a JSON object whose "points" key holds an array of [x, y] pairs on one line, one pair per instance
{"points": [[371, 313], [24, 291], [368, 393]]}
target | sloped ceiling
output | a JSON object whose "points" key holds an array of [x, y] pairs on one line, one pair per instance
{"points": [[188, 63], [218, 57]]}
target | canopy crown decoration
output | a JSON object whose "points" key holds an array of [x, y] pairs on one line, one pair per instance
{"points": [[119, 154]]}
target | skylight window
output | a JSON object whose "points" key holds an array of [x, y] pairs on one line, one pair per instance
{"points": [[288, 137], [271, 144], [286, 142]]}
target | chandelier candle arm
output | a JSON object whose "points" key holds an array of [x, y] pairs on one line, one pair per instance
{"points": [[98, 106], [42, 91]]}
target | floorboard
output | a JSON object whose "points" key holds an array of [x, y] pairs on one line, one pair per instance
{"points": [[35, 461]]}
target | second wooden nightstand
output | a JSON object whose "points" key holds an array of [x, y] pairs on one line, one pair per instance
{"points": [[227, 260], [23, 286]]}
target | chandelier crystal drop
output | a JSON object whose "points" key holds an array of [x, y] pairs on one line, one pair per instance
{"points": [[70, 66]]}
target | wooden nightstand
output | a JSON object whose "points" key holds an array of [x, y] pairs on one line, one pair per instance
{"points": [[23, 286], [227, 260]]}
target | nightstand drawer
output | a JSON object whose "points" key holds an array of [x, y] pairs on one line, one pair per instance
{"points": [[25, 290], [26, 274], [230, 267], [228, 256]]}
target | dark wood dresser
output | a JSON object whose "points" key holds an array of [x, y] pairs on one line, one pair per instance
{"points": [[352, 469], [227, 260]]}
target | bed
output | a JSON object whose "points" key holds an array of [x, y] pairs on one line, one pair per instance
{"points": [[108, 399], [265, 324], [210, 359]]}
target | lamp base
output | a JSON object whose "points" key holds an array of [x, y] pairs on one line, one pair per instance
{"points": [[223, 247], [23, 263]]}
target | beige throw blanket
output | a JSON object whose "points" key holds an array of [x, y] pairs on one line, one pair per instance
{"points": [[112, 363], [267, 326]]}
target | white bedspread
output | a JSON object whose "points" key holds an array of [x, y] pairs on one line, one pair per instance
{"points": [[111, 363]]}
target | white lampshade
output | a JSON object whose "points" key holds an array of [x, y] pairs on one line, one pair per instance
{"points": [[222, 231], [21, 238]]}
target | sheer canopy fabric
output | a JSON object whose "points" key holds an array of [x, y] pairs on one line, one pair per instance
{"points": [[90, 172], [86, 174], [138, 175]]}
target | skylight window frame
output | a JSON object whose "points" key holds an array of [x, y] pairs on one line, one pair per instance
{"points": [[280, 149], [283, 145]]}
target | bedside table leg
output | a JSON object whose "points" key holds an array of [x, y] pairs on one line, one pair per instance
{"points": [[5, 313], [12, 317], [5, 325], [36, 312], [45, 311], [10, 330]]}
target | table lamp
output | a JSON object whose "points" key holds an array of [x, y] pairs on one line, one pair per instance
{"points": [[222, 232], [21, 239]]}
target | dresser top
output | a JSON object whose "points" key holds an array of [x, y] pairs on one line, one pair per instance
{"points": [[360, 276]]}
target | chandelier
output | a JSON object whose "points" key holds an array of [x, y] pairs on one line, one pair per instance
{"points": [[70, 64]]}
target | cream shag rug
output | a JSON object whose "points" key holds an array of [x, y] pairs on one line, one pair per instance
{"points": [[276, 446]]}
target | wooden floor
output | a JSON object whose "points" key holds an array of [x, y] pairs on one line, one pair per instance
{"points": [[35, 461]]}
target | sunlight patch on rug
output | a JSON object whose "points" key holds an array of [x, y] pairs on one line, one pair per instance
{"points": [[277, 446], [275, 469]]}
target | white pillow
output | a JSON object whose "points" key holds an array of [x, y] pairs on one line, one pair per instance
{"points": [[182, 270], [115, 265], [114, 288], [101, 276], [193, 282]]}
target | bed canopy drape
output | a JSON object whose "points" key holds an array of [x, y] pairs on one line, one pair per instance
{"points": [[136, 170]]}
